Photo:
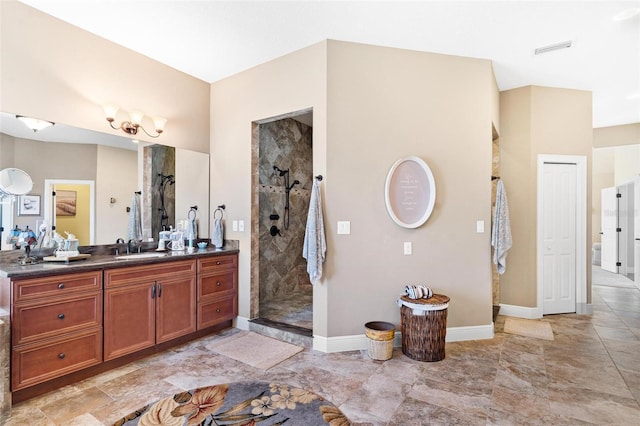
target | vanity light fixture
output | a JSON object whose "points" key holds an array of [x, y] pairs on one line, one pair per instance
{"points": [[135, 121], [34, 124]]}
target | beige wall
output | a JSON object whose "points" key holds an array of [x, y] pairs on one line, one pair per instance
{"points": [[52, 70], [537, 120], [116, 177], [628, 134], [373, 105], [292, 83]]}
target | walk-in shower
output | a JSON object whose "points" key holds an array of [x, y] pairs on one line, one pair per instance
{"points": [[284, 168]]}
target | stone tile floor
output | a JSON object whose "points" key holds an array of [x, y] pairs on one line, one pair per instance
{"points": [[590, 374], [295, 308]]}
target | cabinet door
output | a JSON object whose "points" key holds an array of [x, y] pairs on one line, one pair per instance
{"points": [[129, 319], [175, 308]]}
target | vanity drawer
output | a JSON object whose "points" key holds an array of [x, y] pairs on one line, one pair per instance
{"points": [[212, 284], [59, 285], [217, 311], [132, 274], [217, 263], [36, 363], [42, 320]]}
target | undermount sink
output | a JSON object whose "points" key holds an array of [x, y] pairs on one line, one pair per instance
{"points": [[140, 256]]}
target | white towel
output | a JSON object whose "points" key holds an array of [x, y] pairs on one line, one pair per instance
{"points": [[501, 233], [314, 247], [134, 230], [217, 235]]}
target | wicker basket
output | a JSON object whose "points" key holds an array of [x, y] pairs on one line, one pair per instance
{"points": [[424, 328], [380, 335]]}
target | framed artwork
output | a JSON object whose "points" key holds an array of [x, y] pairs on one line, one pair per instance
{"points": [[410, 192], [29, 205], [66, 203]]}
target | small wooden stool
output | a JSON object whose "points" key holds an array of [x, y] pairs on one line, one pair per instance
{"points": [[424, 327]]}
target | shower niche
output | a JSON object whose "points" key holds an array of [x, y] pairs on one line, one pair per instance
{"points": [[284, 178]]}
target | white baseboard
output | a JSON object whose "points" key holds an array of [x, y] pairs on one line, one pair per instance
{"points": [[520, 311], [241, 322], [535, 313], [360, 341], [584, 309]]}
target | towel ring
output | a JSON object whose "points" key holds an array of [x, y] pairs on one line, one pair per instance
{"points": [[192, 210], [221, 214]]}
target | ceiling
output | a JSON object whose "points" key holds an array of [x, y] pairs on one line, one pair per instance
{"points": [[212, 40]]}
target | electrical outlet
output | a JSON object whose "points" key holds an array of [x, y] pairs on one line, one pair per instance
{"points": [[234, 225], [408, 248], [241, 225]]}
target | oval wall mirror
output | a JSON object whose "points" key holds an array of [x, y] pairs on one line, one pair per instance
{"points": [[14, 182], [410, 192]]}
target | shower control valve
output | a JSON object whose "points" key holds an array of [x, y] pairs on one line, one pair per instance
{"points": [[274, 231]]}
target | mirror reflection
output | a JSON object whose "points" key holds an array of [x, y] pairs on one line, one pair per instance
{"points": [[95, 178]]}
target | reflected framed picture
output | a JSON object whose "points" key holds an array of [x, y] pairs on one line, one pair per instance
{"points": [[29, 205], [66, 203]]}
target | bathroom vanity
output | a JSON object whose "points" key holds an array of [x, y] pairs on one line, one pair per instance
{"points": [[74, 320]]}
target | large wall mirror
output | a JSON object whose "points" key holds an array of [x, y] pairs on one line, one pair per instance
{"points": [[95, 177]]}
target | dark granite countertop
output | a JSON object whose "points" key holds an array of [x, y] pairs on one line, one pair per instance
{"points": [[102, 257]]}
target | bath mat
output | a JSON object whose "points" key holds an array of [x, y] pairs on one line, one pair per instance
{"points": [[255, 349], [528, 328], [240, 403]]}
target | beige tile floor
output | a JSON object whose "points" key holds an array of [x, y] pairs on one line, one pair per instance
{"points": [[590, 374]]}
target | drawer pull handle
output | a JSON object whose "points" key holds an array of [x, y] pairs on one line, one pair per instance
{"points": [[218, 310], [61, 355], [61, 286], [153, 291], [61, 316], [159, 290], [218, 283]]}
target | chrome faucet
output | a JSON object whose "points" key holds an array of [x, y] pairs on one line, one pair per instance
{"points": [[132, 243], [119, 241]]}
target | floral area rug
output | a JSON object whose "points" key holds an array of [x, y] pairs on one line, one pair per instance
{"points": [[239, 404]]}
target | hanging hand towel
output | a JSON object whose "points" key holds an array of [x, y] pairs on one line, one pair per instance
{"points": [[134, 230], [501, 233], [217, 236], [315, 245]]}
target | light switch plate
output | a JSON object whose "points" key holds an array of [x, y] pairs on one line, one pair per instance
{"points": [[408, 248], [480, 226], [241, 225], [344, 227]]}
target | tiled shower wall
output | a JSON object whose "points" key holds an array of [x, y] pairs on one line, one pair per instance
{"points": [[286, 144]]}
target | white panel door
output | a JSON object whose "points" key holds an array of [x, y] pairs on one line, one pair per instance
{"points": [[608, 229], [559, 238]]}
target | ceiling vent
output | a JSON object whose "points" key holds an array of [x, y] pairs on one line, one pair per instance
{"points": [[550, 48]]}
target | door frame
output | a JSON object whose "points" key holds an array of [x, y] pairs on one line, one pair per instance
{"points": [[49, 207], [581, 228]]}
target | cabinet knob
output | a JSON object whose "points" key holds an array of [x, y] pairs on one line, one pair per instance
{"points": [[61, 355], [218, 283], [218, 310], [61, 286], [218, 262], [60, 316]]}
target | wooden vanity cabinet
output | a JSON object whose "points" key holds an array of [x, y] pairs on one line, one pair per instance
{"points": [[217, 290], [147, 305], [56, 326]]}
